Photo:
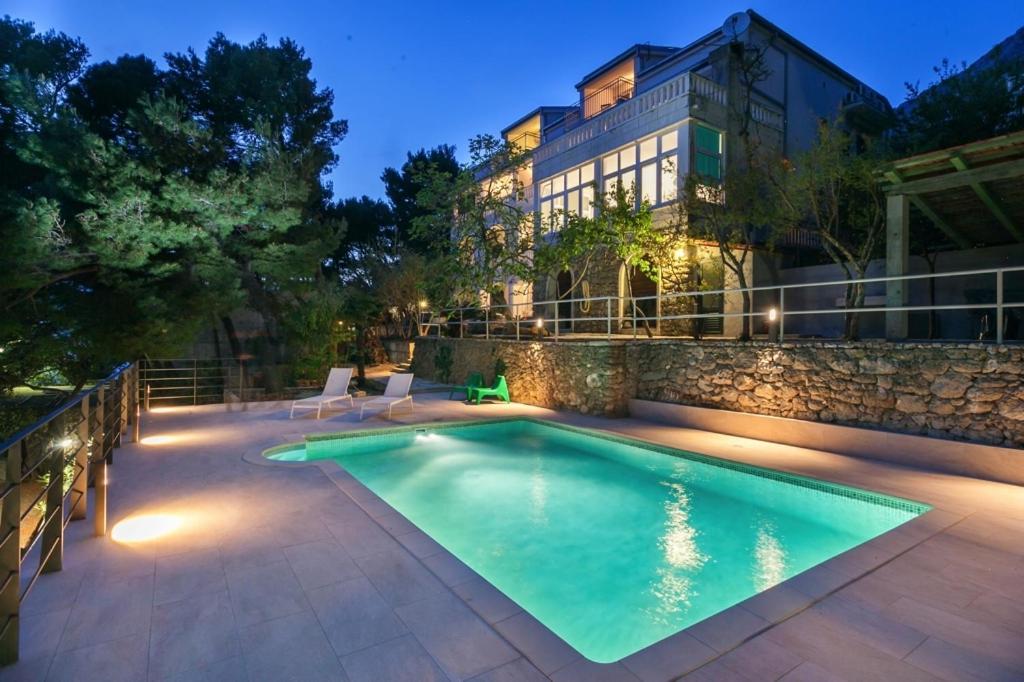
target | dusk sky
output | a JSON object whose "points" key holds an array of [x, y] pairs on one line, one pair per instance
{"points": [[417, 74]]}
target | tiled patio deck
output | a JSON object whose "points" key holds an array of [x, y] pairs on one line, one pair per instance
{"points": [[297, 572]]}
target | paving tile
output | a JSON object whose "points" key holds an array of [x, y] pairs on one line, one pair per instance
{"points": [[810, 636], [227, 670], [777, 603], [55, 591], [582, 670], [818, 581], [399, 577], [398, 660], [760, 658], [457, 638], [396, 524], [289, 648], [112, 661], [489, 602], [997, 609], [420, 544], [184, 575], [714, 672], [519, 670], [354, 615], [320, 563], [362, 538], [543, 648], [870, 626], [986, 639], [449, 568], [669, 658], [250, 548], [192, 633], [954, 663], [922, 580], [338, 512], [727, 629], [297, 529], [812, 672], [109, 610], [264, 592]]}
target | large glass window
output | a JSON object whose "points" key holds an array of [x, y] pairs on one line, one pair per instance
{"points": [[649, 183], [648, 149], [587, 199], [707, 161], [669, 180], [562, 192]]}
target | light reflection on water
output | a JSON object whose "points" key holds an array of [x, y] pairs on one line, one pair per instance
{"points": [[769, 558], [538, 493], [674, 587]]}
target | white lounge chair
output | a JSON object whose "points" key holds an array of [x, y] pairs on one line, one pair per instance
{"points": [[336, 389], [395, 393]]}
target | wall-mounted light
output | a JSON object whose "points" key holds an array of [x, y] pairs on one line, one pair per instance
{"points": [[539, 323], [773, 315]]}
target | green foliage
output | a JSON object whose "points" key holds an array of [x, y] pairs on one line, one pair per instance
{"points": [[137, 204], [500, 368], [962, 106], [443, 361], [402, 187], [481, 227]]}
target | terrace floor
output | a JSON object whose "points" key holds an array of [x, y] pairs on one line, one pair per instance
{"points": [[297, 572]]}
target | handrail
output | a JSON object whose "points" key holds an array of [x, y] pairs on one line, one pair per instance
{"points": [[74, 441], [777, 311]]}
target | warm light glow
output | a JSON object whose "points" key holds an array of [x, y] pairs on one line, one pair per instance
{"points": [[773, 315], [540, 323], [164, 410], [679, 254], [423, 303], [64, 443], [159, 440], [145, 528]]}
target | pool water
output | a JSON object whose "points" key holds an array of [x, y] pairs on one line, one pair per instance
{"points": [[612, 543]]}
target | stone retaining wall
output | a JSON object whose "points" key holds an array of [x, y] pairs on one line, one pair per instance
{"points": [[971, 392]]}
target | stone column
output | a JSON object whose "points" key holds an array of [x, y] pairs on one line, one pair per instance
{"points": [[897, 257]]}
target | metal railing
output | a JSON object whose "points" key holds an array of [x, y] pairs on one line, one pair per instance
{"points": [[191, 381], [614, 316], [619, 90], [47, 470]]}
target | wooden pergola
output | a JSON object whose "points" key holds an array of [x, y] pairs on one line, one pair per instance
{"points": [[973, 193]]}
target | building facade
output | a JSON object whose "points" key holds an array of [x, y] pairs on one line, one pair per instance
{"points": [[651, 116]]}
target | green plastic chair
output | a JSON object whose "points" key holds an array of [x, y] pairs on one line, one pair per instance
{"points": [[475, 380], [499, 390]]}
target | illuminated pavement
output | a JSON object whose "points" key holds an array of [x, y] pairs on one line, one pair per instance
{"points": [[221, 566]]}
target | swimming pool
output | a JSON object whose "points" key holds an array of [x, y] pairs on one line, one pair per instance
{"points": [[612, 543]]}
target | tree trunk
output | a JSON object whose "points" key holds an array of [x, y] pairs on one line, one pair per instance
{"points": [[933, 317], [854, 300], [229, 330], [361, 356]]}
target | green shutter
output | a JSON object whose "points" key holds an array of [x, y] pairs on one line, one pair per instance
{"points": [[708, 166], [708, 140]]}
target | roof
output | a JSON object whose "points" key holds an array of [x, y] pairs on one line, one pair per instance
{"points": [[535, 112], [633, 50], [973, 192]]}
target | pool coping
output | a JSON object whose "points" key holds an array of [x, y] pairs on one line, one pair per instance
{"points": [[679, 653]]}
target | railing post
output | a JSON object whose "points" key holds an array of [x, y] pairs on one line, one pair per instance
{"points": [[147, 396], [487, 323], [98, 465], [195, 381], [461, 323], [782, 314], [515, 316], [137, 431], [51, 554], [10, 557], [80, 487], [633, 303], [608, 314], [999, 306]]}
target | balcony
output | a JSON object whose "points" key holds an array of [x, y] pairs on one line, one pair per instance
{"points": [[615, 92], [686, 90], [525, 141]]}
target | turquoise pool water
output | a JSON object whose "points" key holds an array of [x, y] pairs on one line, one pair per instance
{"points": [[611, 543]]}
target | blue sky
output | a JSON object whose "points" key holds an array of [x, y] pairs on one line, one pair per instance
{"points": [[417, 74]]}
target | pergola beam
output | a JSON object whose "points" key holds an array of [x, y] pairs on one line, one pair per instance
{"points": [[938, 183], [921, 205], [989, 200]]}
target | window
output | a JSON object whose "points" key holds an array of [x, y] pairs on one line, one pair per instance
{"points": [[572, 178], [648, 149], [573, 205], [649, 183], [707, 161], [669, 180], [610, 164], [558, 184], [545, 216], [627, 157], [587, 197], [545, 189], [587, 173], [557, 206], [669, 141]]}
